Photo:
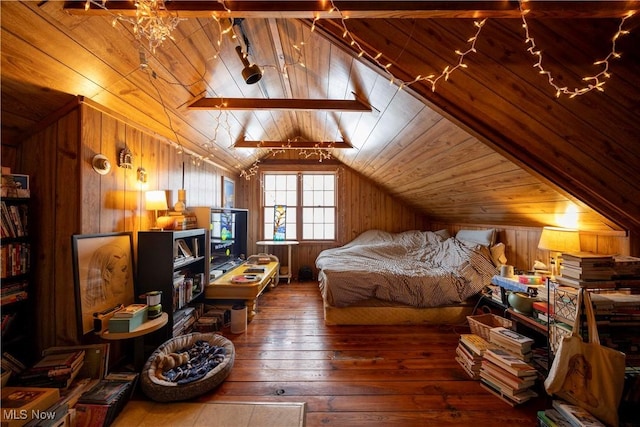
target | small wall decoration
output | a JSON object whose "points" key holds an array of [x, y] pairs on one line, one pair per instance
{"points": [[142, 175], [279, 222], [125, 160], [103, 274], [228, 192]]}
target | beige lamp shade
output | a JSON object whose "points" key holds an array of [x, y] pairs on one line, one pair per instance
{"points": [[558, 239], [156, 201]]}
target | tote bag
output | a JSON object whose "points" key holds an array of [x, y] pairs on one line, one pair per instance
{"points": [[588, 374]]}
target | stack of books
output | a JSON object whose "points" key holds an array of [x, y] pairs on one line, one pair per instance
{"points": [[626, 267], [128, 318], [469, 353], [54, 370], [184, 320], [564, 414], [542, 312], [587, 270], [515, 343], [101, 404], [507, 376]]}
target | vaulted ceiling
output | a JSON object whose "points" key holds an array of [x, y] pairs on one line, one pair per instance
{"points": [[492, 144]]}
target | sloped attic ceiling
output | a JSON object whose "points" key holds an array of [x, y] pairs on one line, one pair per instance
{"points": [[491, 145]]}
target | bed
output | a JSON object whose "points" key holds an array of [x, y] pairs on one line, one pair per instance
{"points": [[412, 277]]}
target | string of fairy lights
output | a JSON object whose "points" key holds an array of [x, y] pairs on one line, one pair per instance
{"points": [[154, 23]]}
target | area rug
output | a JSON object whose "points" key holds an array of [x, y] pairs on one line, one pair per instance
{"points": [[138, 413]]}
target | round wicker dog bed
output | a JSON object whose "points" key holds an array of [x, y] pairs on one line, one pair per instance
{"points": [[161, 390]]}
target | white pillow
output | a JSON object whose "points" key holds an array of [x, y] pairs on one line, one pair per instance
{"points": [[480, 237]]}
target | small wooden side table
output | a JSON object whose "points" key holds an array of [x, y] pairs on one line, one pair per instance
{"points": [[138, 335]]}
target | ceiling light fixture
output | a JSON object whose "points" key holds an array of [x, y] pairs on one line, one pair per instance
{"points": [[250, 73]]}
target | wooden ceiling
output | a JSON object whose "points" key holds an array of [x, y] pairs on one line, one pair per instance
{"points": [[492, 145]]}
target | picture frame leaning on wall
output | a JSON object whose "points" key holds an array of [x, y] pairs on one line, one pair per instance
{"points": [[103, 274]]}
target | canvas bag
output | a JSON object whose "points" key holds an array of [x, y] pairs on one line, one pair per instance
{"points": [[588, 374]]}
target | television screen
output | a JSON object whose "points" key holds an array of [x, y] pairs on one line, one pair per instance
{"points": [[228, 238]]}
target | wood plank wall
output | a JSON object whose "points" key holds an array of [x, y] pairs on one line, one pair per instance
{"points": [[69, 198]]}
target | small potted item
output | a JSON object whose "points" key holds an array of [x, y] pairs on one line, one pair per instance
{"points": [[521, 302]]}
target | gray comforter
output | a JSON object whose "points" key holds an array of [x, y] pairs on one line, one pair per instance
{"points": [[417, 268]]}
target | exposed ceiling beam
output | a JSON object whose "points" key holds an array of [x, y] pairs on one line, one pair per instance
{"points": [[279, 104], [372, 9], [292, 145]]}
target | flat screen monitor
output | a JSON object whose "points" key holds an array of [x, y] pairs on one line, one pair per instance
{"points": [[228, 238]]}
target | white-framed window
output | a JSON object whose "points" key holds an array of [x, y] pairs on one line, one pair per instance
{"points": [[309, 199]]}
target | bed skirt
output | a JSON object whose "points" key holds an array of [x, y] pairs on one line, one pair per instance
{"points": [[377, 312]]}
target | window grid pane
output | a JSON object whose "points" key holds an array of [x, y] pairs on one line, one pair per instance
{"points": [[316, 204]]}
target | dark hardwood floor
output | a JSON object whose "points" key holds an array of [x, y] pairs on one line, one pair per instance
{"points": [[358, 375]]}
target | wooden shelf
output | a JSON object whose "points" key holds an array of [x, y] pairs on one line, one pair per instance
{"points": [[146, 328], [527, 320]]}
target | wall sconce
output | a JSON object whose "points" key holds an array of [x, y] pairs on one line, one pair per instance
{"points": [[558, 240], [155, 201], [101, 164]]}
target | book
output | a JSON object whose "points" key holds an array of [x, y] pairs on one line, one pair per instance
{"points": [[475, 343], [104, 392], [510, 362], [585, 257], [132, 310], [20, 403], [599, 273], [59, 361], [543, 421], [491, 370], [467, 360], [512, 337], [542, 306], [557, 419], [92, 415], [512, 400], [96, 359], [577, 416], [103, 402], [587, 284]]}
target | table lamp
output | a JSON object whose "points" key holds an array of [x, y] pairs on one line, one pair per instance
{"points": [[558, 240], [155, 201]]}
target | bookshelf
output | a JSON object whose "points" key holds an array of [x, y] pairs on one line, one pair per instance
{"points": [[15, 274], [174, 263]]}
